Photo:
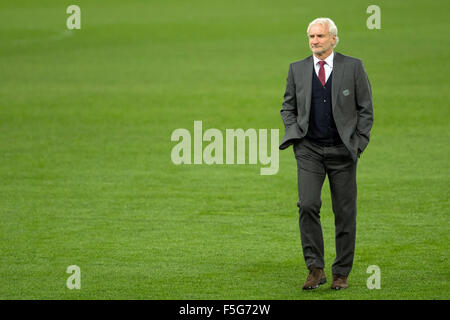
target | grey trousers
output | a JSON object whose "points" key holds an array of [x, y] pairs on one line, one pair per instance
{"points": [[314, 162]]}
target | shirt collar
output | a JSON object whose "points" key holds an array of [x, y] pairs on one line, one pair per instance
{"points": [[328, 60]]}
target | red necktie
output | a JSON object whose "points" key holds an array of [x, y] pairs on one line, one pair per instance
{"points": [[322, 72]]}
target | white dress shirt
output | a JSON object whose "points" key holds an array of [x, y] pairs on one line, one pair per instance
{"points": [[328, 66]]}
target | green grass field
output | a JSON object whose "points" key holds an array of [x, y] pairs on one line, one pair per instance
{"points": [[86, 176]]}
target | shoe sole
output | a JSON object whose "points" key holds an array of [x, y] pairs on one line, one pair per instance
{"points": [[338, 288], [323, 281]]}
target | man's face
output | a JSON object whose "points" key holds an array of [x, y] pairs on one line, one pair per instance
{"points": [[320, 40]]}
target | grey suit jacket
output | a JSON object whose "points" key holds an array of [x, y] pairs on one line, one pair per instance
{"points": [[351, 100]]}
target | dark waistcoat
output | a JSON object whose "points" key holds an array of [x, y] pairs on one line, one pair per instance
{"points": [[322, 128]]}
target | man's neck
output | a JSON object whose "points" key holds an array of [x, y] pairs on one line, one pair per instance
{"points": [[324, 55]]}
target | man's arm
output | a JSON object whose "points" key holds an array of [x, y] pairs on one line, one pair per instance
{"points": [[289, 113], [364, 107]]}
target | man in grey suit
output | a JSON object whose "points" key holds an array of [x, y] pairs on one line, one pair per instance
{"points": [[327, 113]]}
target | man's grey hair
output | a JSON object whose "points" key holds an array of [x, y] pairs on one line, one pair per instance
{"points": [[326, 22]]}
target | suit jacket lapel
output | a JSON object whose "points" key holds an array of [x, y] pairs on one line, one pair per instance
{"points": [[307, 82], [337, 74]]}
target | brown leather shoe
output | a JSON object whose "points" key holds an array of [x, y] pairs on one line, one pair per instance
{"points": [[315, 278], [339, 282]]}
